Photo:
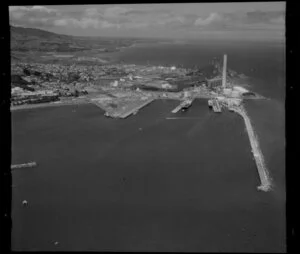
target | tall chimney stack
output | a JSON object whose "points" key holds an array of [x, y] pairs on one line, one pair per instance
{"points": [[224, 71]]}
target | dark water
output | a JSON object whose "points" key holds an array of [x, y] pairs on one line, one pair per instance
{"points": [[173, 185]]}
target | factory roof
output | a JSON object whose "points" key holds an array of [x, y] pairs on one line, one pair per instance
{"points": [[240, 89]]}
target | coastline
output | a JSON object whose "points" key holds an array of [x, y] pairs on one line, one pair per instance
{"points": [[155, 96], [49, 104]]}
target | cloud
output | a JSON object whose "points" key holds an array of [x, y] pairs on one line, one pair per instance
{"points": [[251, 20], [154, 17], [91, 12], [149, 18], [135, 25], [38, 16], [136, 12], [115, 12], [106, 24], [99, 18], [61, 22], [16, 15], [111, 17], [279, 20], [85, 23], [31, 9], [42, 9], [253, 17], [213, 17], [88, 22], [148, 11]]}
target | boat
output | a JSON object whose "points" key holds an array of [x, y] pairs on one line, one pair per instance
{"points": [[186, 104], [107, 114]]}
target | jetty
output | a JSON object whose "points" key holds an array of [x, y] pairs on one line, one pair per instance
{"points": [[183, 105], [24, 165], [255, 148]]}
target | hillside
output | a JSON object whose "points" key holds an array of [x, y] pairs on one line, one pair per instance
{"points": [[33, 39], [34, 32]]}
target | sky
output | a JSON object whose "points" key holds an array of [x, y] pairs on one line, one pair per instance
{"points": [[258, 21]]}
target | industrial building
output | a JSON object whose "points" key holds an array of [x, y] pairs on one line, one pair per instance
{"points": [[224, 71], [219, 81], [214, 82]]}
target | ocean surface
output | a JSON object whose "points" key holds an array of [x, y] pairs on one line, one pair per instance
{"points": [[149, 183]]}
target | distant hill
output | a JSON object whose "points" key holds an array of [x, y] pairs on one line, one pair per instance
{"points": [[33, 39], [34, 32]]}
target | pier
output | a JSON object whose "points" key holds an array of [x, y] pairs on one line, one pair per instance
{"points": [[216, 106], [131, 108], [24, 165], [182, 105], [257, 153], [123, 107], [98, 104]]}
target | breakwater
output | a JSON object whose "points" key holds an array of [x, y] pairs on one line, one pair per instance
{"points": [[257, 153], [24, 165]]}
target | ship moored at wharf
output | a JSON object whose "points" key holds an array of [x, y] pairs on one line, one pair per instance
{"points": [[184, 105]]}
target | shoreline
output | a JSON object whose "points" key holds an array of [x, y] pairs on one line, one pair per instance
{"points": [[89, 101], [51, 104]]}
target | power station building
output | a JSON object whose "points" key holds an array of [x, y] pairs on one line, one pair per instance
{"points": [[219, 81], [224, 71], [214, 82]]}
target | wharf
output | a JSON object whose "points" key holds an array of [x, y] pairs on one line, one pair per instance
{"points": [[183, 104], [132, 108], [231, 108], [203, 96], [98, 104], [24, 165], [257, 97], [216, 106], [257, 153]]}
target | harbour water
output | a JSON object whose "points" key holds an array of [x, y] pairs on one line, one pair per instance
{"points": [[148, 183]]}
